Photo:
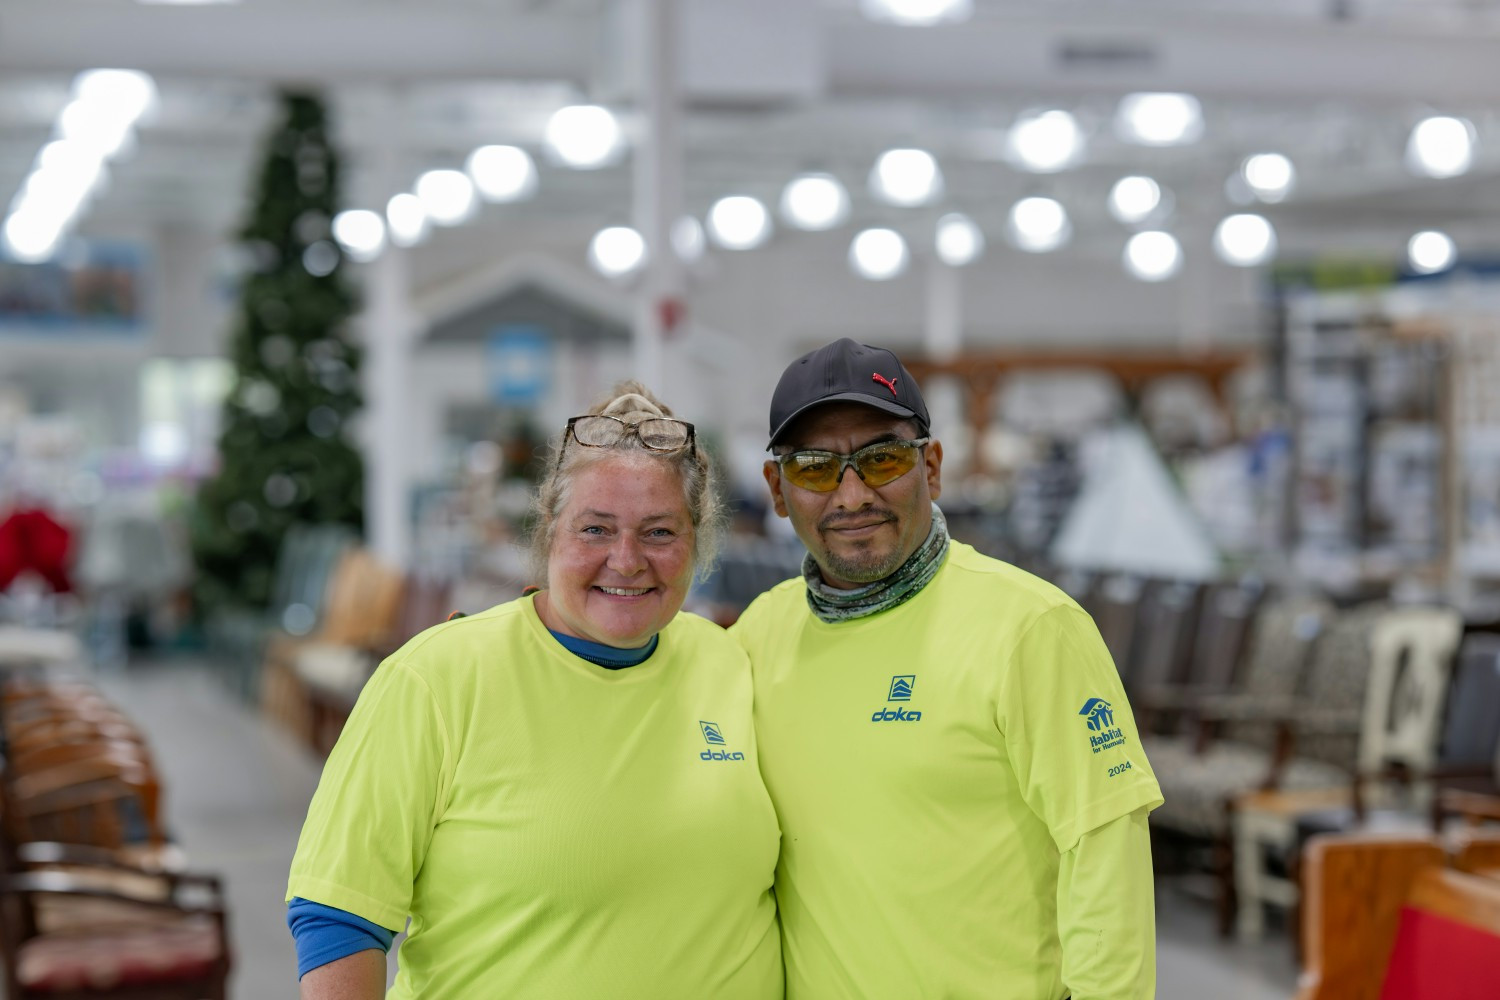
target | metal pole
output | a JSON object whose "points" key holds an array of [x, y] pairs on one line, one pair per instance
{"points": [[388, 328], [658, 189]]}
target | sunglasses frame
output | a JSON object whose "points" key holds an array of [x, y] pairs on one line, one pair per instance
{"points": [[847, 461]]}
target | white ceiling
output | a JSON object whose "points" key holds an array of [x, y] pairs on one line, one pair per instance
{"points": [[774, 87]]}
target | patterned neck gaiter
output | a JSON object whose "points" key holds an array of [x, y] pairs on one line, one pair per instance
{"points": [[832, 605]]}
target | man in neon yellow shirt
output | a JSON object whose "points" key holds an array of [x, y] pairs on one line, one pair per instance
{"points": [[962, 793]]}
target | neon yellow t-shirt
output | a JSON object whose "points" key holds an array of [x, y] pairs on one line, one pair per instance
{"points": [[553, 828], [929, 765]]}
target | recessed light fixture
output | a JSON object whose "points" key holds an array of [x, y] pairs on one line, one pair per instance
{"points": [[959, 240], [1153, 256], [1133, 199], [814, 202], [1039, 225], [1245, 240], [878, 254], [906, 177], [1431, 251], [1045, 143], [739, 222], [584, 136], [617, 251], [1441, 147], [1150, 119]]}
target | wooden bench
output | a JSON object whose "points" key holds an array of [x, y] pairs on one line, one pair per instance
{"points": [[1386, 918]]}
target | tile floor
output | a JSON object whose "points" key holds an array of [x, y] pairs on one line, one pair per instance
{"points": [[236, 791]]}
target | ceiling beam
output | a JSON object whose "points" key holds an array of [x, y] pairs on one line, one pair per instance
{"points": [[305, 43]]}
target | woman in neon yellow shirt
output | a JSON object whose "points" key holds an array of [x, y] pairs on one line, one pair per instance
{"points": [[561, 792]]}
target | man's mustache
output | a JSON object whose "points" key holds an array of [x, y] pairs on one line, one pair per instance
{"points": [[867, 516]]}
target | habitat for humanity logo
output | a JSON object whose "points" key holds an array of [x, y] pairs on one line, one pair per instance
{"points": [[1101, 720], [901, 688], [714, 737]]}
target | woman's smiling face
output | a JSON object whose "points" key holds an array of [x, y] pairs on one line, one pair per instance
{"points": [[621, 558]]}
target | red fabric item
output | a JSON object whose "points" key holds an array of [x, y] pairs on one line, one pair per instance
{"points": [[124, 957], [33, 540], [1435, 958]]}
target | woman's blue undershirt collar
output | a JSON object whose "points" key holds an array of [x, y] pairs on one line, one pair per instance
{"points": [[608, 657]]}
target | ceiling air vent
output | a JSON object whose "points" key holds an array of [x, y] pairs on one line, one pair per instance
{"points": [[1104, 56]]}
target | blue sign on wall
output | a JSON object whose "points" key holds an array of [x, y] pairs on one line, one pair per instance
{"points": [[519, 359], [92, 289]]}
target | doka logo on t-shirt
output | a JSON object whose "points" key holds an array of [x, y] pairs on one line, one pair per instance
{"points": [[1101, 722], [714, 737]]}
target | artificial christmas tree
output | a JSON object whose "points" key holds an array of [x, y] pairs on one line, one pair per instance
{"points": [[285, 455]]}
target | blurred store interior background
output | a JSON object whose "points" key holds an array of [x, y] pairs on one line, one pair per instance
{"points": [[1204, 296]]}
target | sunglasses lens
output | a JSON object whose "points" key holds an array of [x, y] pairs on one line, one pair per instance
{"points": [[812, 470], [878, 464], [881, 464], [662, 435]]}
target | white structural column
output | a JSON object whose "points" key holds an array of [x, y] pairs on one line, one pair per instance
{"points": [[945, 311], [389, 329], [658, 187], [943, 340]]}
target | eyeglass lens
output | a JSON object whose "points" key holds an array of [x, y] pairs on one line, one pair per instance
{"points": [[659, 434]]}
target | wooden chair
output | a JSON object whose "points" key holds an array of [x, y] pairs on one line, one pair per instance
{"points": [[1215, 650], [1163, 646], [361, 610], [1234, 743], [1409, 665], [131, 935], [1386, 920], [1117, 609], [304, 563]]}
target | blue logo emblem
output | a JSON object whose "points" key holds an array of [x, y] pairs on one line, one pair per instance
{"points": [[901, 686], [1101, 716], [1101, 720], [714, 737]]}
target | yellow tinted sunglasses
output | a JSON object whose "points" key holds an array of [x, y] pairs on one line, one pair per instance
{"points": [[877, 464]]}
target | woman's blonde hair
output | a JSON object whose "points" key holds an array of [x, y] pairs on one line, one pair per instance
{"points": [[630, 401]]}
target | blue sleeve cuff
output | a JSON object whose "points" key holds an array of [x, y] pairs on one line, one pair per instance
{"points": [[326, 934]]}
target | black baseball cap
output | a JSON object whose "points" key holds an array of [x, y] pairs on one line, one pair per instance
{"points": [[844, 371]]}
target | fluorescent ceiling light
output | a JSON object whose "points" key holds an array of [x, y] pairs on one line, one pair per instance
{"points": [[617, 251], [688, 239], [1441, 147], [917, 13], [1045, 143], [447, 196], [31, 236], [360, 232], [1270, 176], [739, 222], [1133, 199], [959, 240], [1153, 256], [126, 94], [502, 173], [584, 136], [407, 219], [1431, 251], [878, 254], [1038, 225], [814, 202], [906, 177], [1159, 119], [1245, 240]]}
